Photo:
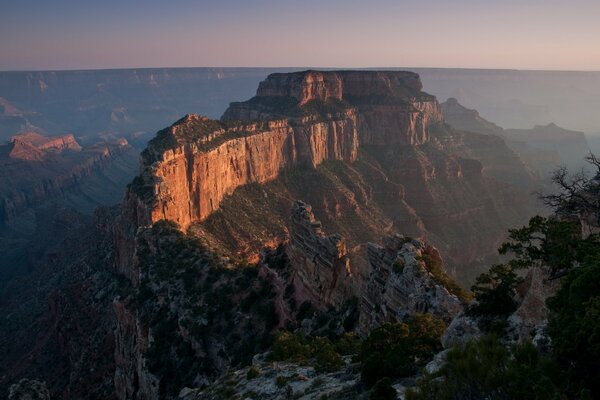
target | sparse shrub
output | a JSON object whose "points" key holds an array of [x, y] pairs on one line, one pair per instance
{"points": [[398, 266], [252, 373], [326, 358], [281, 381]]}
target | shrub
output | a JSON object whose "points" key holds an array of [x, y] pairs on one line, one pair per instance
{"points": [[495, 292], [281, 381], [383, 390], [326, 358], [396, 350], [486, 369], [252, 373]]}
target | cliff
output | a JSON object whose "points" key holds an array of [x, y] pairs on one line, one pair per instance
{"points": [[37, 169], [321, 262], [570, 146], [402, 283], [463, 118], [542, 149], [367, 149], [299, 119]]}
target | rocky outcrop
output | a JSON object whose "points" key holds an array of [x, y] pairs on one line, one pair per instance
{"points": [[282, 380], [321, 261], [33, 170], [531, 316], [542, 148], [29, 389], [542, 141], [209, 160], [465, 119], [527, 323], [40, 142], [391, 108], [400, 285]]}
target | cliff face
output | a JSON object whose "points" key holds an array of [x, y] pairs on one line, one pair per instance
{"points": [[190, 179], [303, 119], [368, 151], [321, 261], [400, 285], [391, 108], [36, 169], [542, 149]]}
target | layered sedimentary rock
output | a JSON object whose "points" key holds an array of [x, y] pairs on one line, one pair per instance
{"points": [[209, 160], [368, 150], [40, 142], [305, 119], [391, 107], [400, 285], [321, 261], [36, 169], [570, 146], [542, 148], [467, 119]]}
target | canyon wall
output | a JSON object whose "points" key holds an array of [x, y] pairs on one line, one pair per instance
{"points": [[299, 119], [321, 262], [37, 169]]}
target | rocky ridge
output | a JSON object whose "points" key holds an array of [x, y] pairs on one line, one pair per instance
{"points": [[542, 148]]}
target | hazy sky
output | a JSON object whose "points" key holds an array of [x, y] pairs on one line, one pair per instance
{"points": [[526, 34]]}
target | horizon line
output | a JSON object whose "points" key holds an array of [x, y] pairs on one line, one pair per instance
{"points": [[299, 68]]}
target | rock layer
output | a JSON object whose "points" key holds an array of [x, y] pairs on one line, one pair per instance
{"points": [[399, 285], [321, 261]]}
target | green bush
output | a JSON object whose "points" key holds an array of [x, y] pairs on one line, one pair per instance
{"points": [[495, 292], [397, 350], [327, 359], [486, 369], [433, 264]]}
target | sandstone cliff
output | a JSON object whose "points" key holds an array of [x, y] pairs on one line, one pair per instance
{"points": [[305, 119], [321, 261], [370, 153]]}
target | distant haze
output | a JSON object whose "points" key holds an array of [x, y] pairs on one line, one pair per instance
{"points": [[525, 34]]}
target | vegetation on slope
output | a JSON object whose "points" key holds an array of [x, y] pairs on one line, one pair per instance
{"points": [[195, 303], [571, 369]]}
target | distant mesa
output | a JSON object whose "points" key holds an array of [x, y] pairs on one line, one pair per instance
{"points": [[37, 142]]}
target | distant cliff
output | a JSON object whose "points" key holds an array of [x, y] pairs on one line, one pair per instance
{"points": [[542, 148], [37, 169]]}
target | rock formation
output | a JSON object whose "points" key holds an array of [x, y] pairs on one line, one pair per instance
{"points": [[404, 168], [467, 119], [542, 148], [322, 262], [400, 285], [368, 150], [570, 146], [27, 389], [192, 165]]}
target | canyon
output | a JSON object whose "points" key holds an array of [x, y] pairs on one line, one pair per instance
{"points": [[348, 197], [388, 138], [370, 155], [542, 148]]}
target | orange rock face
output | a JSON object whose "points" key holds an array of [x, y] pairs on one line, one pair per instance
{"points": [[303, 119]]}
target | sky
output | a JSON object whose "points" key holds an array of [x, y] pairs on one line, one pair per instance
{"points": [[87, 34]]}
